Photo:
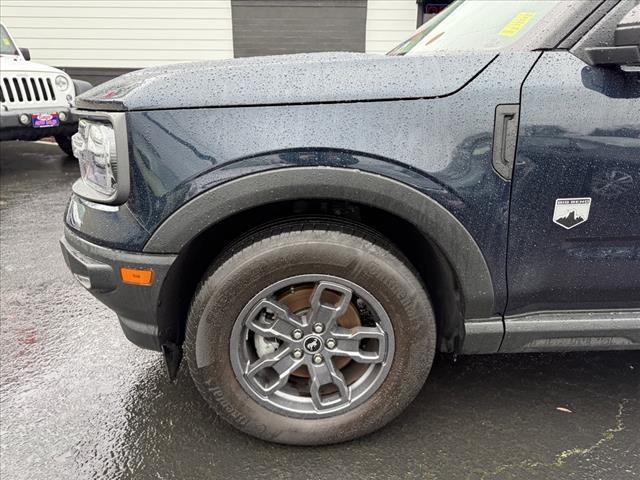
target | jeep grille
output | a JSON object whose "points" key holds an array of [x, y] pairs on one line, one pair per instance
{"points": [[27, 90]]}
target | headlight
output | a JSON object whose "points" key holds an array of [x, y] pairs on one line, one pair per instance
{"points": [[61, 82], [95, 148]]}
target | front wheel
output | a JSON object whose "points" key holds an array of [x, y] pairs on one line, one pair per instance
{"points": [[310, 334], [64, 142]]}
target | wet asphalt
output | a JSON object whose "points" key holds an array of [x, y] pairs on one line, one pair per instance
{"points": [[79, 401]]}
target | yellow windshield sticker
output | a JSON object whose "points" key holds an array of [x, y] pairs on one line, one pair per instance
{"points": [[6, 41], [512, 28]]}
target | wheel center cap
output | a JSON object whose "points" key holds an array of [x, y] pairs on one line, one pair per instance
{"points": [[312, 344]]}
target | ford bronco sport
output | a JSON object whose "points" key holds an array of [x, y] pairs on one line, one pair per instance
{"points": [[310, 229], [35, 99]]}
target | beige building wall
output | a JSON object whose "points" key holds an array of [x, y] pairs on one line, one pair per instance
{"points": [[128, 34], [389, 22], [120, 33]]}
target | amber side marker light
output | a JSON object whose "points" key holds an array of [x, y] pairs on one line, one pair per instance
{"points": [[136, 276]]}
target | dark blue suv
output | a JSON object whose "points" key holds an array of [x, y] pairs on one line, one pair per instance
{"points": [[310, 229]]}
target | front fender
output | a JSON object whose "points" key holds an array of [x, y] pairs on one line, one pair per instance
{"points": [[81, 86], [317, 182]]}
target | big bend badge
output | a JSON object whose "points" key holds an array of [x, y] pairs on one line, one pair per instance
{"points": [[571, 212]]}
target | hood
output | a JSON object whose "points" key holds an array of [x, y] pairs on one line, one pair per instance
{"points": [[12, 63], [286, 79]]}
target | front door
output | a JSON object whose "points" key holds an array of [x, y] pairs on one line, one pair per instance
{"points": [[574, 238]]}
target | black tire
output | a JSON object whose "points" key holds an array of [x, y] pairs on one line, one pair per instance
{"points": [[64, 142], [301, 248]]}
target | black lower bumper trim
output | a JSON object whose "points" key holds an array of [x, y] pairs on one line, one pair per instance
{"points": [[12, 129], [30, 134], [97, 269]]}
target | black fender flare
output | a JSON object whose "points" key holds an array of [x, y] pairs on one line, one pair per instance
{"points": [[81, 86], [298, 183]]}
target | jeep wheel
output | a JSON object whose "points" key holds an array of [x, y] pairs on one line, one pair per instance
{"points": [[310, 334], [64, 142]]}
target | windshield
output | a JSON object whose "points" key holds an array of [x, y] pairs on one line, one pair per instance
{"points": [[7, 47], [477, 25]]}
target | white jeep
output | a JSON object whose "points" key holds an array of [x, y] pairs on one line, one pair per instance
{"points": [[35, 99]]}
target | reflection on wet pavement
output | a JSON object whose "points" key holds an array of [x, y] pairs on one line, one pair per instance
{"points": [[79, 401]]}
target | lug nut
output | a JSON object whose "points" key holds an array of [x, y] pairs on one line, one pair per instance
{"points": [[330, 343], [297, 334], [317, 359], [318, 327], [297, 354]]}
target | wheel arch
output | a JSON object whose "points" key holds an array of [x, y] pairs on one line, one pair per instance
{"points": [[440, 247]]}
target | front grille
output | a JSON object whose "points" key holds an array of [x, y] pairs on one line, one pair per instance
{"points": [[27, 90]]}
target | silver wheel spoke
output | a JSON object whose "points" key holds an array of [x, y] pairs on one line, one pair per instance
{"points": [[348, 344], [326, 374], [325, 313], [280, 326], [281, 361]]}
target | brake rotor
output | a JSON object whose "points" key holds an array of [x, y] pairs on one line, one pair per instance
{"points": [[298, 301]]}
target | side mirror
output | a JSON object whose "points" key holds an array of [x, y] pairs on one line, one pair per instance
{"points": [[625, 50], [25, 53]]}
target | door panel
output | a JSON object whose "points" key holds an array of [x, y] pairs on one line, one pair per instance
{"points": [[579, 139]]}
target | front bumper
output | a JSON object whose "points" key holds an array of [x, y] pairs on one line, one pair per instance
{"points": [[98, 270], [12, 129]]}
